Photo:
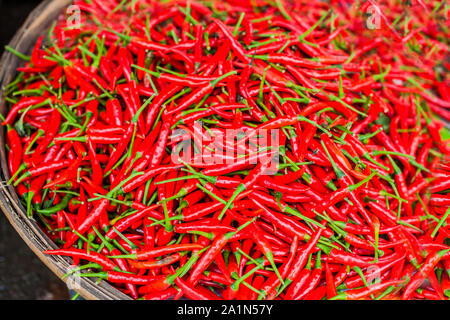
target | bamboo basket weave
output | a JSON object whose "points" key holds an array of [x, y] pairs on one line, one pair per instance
{"points": [[37, 23]]}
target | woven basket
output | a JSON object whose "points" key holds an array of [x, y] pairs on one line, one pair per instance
{"points": [[37, 23]]}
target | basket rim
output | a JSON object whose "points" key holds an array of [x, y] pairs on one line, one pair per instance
{"points": [[28, 229]]}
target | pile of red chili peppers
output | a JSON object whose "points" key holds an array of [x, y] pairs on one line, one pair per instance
{"points": [[358, 207]]}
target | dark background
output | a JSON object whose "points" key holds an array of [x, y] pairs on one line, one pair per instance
{"points": [[22, 275]]}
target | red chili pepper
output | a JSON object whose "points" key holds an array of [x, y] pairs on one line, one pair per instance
{"points": [[160, 251], [92, 256], [90, 220], [156, 263], [195, 293], [124, 223], [197, 95], [347, 258], [22, 104], [69, 174], [302, 257], [260, 169], [235, 45], [423, 272], [364, 292], [331, 288], [205, 260], [122, 277]]}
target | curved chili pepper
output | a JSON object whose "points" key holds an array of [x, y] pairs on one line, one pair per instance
{"points": [[93, 256], [423, 272]]}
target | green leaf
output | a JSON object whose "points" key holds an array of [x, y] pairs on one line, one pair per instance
{"points": [[445, 134], [383, 120]]}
